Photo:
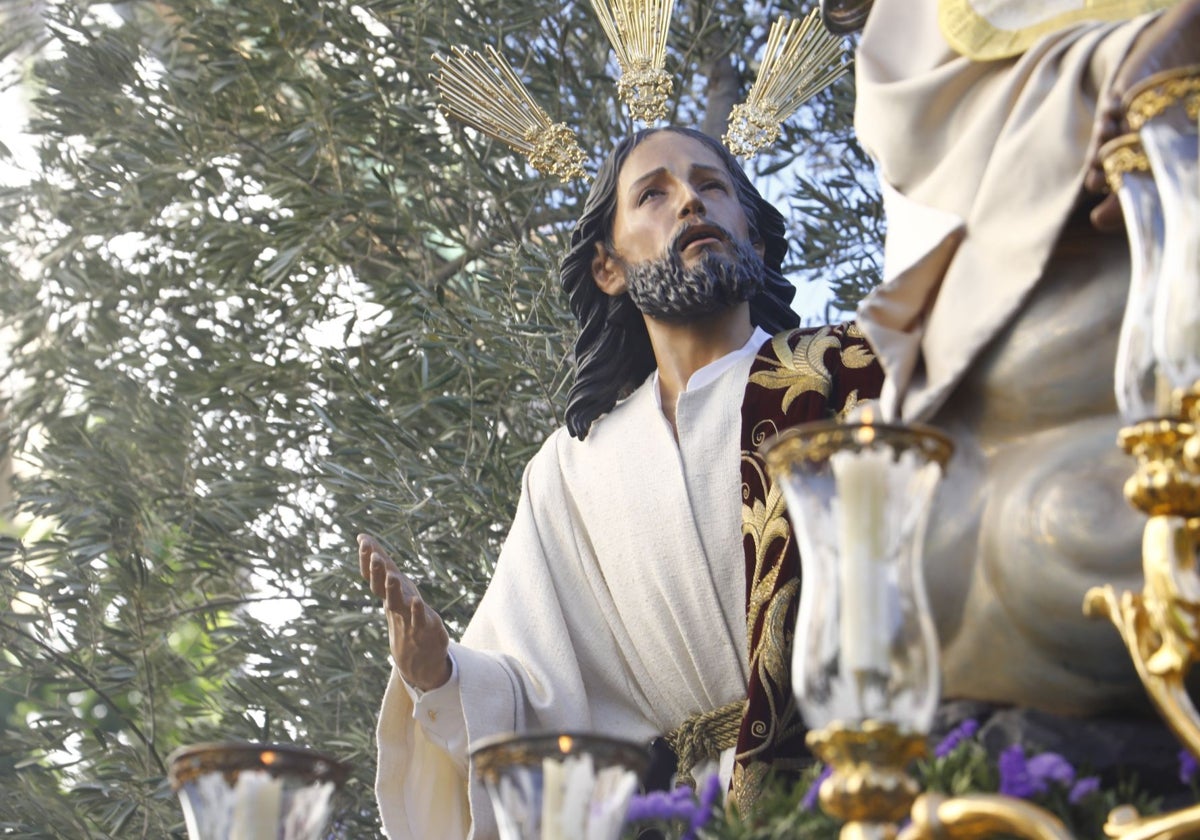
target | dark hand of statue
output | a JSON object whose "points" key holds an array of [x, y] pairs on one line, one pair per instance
{"points": [[419, 643], [1171, 41]]}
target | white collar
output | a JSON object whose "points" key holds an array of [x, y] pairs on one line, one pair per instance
{"points": [[712, 371]]}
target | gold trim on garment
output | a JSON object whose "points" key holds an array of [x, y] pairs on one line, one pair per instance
{"points": [[1120, 156], [1155, 94], [967, 27]]}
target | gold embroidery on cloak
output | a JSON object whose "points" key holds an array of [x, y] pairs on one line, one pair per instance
{"points": [[857, 356], [794, 372], [746, 785], [852, 402], [763, 523], [771, 662], [801, 370], [773, 650]]}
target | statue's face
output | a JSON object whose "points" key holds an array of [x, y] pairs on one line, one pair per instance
{"points": [[669, 185], [680, 238]]}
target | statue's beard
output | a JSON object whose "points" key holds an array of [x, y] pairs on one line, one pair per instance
{"points": [[666, 290]]}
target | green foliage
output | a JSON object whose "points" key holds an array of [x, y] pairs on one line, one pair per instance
{"points": [[257, 298], [782, 814]]}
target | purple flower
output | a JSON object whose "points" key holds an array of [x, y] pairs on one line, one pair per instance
{"points": [[1014, 773], [1083, 788], [1024, 778], [956, 736], [810, 798], [1051, 767], [1187, 767], [703, 811], [661, 805]]}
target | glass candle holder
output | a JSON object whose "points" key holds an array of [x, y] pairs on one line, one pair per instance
{"points": [[559, 786], [1140, 391], [1164, 109], [858, 496], [244, 791]]}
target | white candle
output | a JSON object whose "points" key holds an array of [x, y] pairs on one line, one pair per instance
{"points": [[257, 800], [614, 788], [577, 793], [861, 481], [552, 796]]}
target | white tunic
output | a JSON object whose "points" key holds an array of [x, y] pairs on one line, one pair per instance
{"points": [[617, 605]]}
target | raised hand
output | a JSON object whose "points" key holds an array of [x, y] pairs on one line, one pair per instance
{"points": [[417, 637]]}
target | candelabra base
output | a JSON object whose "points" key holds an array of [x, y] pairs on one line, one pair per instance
{"points": [[1125, 824], [1165, 480], [869, 787]]}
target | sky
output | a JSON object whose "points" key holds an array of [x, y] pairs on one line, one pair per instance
{"points": [[810, 301]]}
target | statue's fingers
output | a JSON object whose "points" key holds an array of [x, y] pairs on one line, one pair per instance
{"points": [[1107, 217], [379, 575], [1094, 181], [394, 595], [1108, 126], [419, 612], [366, 546], [411, 592], [397, 627]]}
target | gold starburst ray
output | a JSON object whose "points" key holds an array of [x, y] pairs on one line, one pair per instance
{"points": [[801, 60], [485, 93], [637, 30]]}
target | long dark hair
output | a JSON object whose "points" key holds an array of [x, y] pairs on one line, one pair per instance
{"points": [[613, 353]]}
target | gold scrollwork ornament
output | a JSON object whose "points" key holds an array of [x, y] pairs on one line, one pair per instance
{"points": [[1161, 625], [935, 816], [1163, 90]]}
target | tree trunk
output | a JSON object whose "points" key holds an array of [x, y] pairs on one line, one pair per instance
{"points": [[722, 93]]}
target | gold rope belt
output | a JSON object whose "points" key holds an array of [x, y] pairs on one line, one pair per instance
{"points": [[704, 736]]}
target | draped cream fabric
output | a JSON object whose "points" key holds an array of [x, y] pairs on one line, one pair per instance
{"points": [[997, 320], [982, 162], [989, 29], [618, 602]]}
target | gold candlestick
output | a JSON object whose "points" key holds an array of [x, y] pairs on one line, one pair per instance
{"points": [[869, 789], [865, 654], [1161, 625]]}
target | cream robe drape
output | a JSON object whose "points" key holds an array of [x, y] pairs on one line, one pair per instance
{"points": [[618, 602], [997, 321], [981, 164]]}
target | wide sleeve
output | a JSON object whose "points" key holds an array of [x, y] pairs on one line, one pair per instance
{"points": [[521, 664], [420, 790], [539, 653]]}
